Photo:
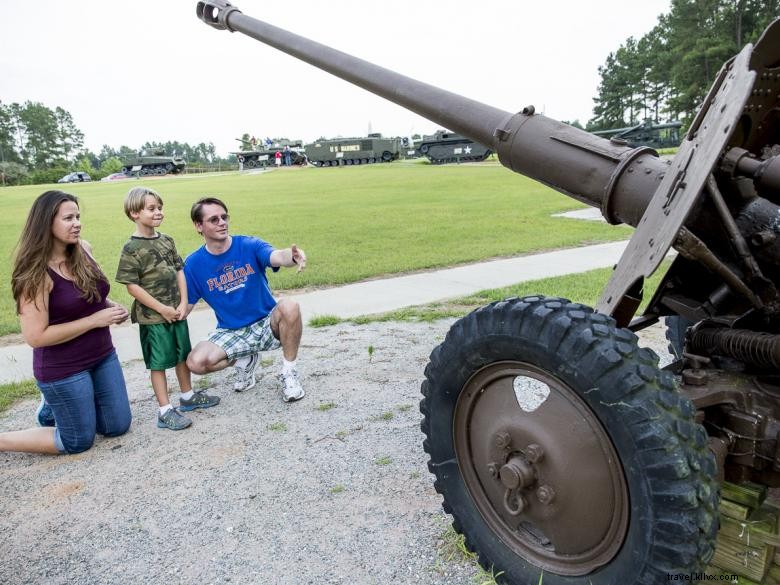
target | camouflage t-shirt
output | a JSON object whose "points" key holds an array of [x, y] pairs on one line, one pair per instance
{"points": [[152, 264]]}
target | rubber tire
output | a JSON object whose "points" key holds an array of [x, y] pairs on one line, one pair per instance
{"points": [[387, 156], [668, 468], [676, 328]]}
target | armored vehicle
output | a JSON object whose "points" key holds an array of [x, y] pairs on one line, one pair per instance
{"points": [[353, 151], [447, 147], [648, 133], [564, 454], [152, 163], [265, 154]]}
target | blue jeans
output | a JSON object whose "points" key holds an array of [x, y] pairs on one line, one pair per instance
{"points": [[90, 402]]}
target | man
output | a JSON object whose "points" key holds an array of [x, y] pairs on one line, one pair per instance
{"points": [[228, 272]]}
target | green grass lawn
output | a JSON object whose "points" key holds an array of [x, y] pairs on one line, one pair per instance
{"points": [[10, 393], [353, 222]]}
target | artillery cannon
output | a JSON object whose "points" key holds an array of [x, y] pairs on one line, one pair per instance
{"points": [[562, 451]]}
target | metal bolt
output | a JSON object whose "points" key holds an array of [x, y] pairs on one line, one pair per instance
{"points": [[503, 440], [493, 470], [534, 453], [546, 494]]}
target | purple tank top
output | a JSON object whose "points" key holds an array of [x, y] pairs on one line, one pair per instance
{"points": [[66, 304]]}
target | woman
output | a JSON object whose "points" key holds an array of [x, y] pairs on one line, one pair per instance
{"points": [[62, 300]]}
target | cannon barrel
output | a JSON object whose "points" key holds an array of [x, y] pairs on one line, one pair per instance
{"points": [[602, 173]]}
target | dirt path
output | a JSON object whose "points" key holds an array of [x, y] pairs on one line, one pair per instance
{"points": [[330, 490]]}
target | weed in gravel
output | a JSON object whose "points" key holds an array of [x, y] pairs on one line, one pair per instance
{"points": [[385, 416], [370, 353], [324, 321], [265, 362], [277, 427], [414, 475], [325, 406], [404, 407], [337, 489], [384, 461], [202, 383], [341, 434], [453, 549]]}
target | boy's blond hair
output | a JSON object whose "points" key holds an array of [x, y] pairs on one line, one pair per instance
{"points": [[134, 200]]}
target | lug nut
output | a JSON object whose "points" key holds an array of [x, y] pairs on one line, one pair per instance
{"points": [[545, 494], [534, 453], [503, 440]]}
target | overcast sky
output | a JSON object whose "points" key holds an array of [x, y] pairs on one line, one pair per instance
{"points": [[136, 70]]}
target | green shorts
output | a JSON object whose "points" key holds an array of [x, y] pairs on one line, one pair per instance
{"points": [[165, 344]]}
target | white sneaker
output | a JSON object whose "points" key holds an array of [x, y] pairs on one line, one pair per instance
{"points": [[245, 373], [291, 386]]}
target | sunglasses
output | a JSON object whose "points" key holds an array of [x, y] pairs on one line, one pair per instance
{"points": [[217, 218]]}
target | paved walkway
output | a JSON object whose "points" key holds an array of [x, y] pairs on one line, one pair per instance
{"points": [[374, 296]]}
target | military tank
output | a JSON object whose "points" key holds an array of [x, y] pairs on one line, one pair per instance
{"points": [[154, 162], [353, 151], [647, 133], [265, 155], [447, 147]]}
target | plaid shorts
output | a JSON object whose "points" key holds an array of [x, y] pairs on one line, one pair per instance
{"points": [[246, 340]]}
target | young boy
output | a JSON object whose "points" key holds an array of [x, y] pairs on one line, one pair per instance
{"points": [[151, 268]]}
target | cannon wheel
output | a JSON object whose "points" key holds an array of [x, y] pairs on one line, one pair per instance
{"points": [[561, 449]]}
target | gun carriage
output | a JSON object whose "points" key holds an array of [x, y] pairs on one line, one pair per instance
{"points": [[563, 452]]}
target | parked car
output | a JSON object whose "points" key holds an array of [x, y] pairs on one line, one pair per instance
{"points": [[115, 177], [77, 177]]}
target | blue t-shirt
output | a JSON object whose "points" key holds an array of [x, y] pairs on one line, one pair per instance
{"points": [[232, 283]]}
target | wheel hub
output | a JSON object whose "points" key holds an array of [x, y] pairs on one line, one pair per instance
{"points": [[541, 469]]}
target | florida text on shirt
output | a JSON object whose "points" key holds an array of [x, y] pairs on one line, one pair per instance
{"points": [[230, 278]]}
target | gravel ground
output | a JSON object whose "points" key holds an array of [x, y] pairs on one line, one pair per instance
{"points": [[330, 490]]}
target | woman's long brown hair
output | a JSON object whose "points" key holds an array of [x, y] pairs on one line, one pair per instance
{"points": [[34, 250]]}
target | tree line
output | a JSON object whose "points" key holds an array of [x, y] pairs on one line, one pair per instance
{"points": [[40, 145], [662, 76], [666, 74]]}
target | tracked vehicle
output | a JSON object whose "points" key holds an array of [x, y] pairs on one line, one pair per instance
{"points": [[563, 452], [648, 133], [266, 154], [353, 151], [446, 147], [152, 163]]}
